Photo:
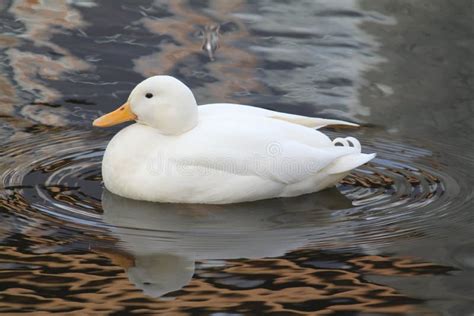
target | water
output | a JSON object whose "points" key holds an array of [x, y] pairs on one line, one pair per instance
{"points": [[394, 237]]}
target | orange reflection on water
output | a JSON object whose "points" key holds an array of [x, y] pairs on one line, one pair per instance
{"points": [[31, 70], [233, 66]]}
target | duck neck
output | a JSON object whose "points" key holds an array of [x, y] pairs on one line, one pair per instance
{"points": [[177, 119]]}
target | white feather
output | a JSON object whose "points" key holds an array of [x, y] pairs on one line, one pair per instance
{"points": [[231, 110]]}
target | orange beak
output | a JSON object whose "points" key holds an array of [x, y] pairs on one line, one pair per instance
{"points": [[122, 114]]}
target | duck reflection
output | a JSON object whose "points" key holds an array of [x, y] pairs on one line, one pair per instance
{"points": [[161, 242]]}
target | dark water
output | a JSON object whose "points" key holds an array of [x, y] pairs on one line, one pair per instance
{"points": [[394, 237]]}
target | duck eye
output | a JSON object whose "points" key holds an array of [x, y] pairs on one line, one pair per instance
{"points": [[149, 95]]}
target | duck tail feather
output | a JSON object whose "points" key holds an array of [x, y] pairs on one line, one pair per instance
{"points": [[348, 162], [311, 122]]}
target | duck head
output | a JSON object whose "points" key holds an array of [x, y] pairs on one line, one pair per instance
{"points": [[161, 102]]}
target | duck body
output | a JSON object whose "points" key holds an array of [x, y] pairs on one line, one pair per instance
{"points": [[228, 157], [221, 153]]}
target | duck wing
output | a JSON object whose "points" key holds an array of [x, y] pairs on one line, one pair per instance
{"points": [[257, 146], [232, 110]]}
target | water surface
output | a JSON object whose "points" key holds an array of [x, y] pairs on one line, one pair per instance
{"points": [[394, 237]]}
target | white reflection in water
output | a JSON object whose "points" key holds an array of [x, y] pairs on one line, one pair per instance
{"points": [[164, 240]]}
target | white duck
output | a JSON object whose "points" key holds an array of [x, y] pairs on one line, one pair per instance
{"points": [[218, 153]]}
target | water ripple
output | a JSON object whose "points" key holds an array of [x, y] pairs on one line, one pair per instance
{"points": [[406, 192]]}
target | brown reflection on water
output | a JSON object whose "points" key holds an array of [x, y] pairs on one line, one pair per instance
{"points": [[31, 69], [86, 282], [234, 67]]}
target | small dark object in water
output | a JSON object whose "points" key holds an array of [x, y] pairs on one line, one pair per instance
{"points": [[210, 41]]}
